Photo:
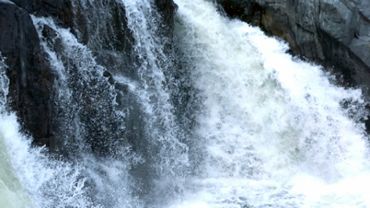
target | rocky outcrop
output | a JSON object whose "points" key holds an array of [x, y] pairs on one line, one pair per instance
{"points": [[31, 78], [333, 33]]}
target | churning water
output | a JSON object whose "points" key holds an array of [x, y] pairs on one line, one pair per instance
{"points": [[273, 129], [231, 121], [12, 194]]}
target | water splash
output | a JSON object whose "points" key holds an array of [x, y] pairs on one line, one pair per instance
{"points": [[12, 194], [45, 182], [265, 119]]}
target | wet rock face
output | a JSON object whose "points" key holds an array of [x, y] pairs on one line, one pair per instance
{"points": [[333, 33], [60, 9], [31, 79], [167, 8], [101, 25]]}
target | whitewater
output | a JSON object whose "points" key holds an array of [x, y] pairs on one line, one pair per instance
{"points": [[232, 121]]}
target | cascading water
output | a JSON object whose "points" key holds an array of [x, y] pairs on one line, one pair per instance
{"points": [[12, 194], [4, 82], [87, 99], [167, 152], [273, 129], [29, 178], [245, 125]]}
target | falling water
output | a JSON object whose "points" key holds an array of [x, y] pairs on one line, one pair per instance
{"points": [[273, 129], [12, 194], [168, 153], [89, 109], [229, 120], [4, 82], [28, 177]]}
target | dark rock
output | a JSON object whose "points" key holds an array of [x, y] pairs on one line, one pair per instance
{"points": [[24, 4], [31, 79], [167, 9], [59, 9], [333, 33], [102, 26]]}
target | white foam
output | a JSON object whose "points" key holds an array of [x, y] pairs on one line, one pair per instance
{"points": [[267, 118]]}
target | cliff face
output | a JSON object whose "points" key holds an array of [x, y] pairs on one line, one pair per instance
{"points": [[333, 33], [101, 25]]}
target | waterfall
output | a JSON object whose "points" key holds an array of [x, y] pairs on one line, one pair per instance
{"points": [[227, 119], [4, 82], [167, 152], [273, 130], [12, 194], [89, 110], [28, 177]]}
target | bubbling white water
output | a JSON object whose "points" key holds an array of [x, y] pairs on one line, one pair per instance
{"points": [[12, 194], [273, 128], [27, 175], [49, 183]]}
